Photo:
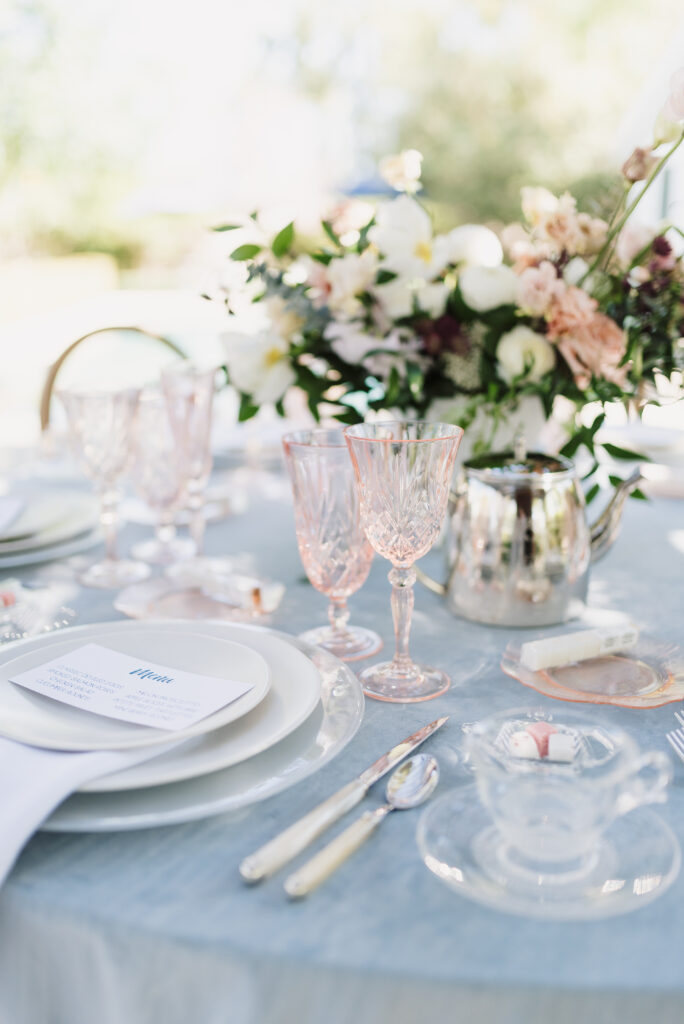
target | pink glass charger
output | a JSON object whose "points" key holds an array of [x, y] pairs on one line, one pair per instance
{"points": [[332, 545], [403, 470]]}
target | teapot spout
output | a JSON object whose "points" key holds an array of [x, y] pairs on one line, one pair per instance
{"points": [[607, 526]]}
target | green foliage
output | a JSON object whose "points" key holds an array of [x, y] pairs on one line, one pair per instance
{"points": [[245, 252], [283, 241]]}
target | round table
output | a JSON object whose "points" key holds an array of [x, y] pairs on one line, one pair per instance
{"points": [[157, 926]]}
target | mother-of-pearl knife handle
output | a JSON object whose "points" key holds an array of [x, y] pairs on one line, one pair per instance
{"points": [[322, 864], [283, 847]]}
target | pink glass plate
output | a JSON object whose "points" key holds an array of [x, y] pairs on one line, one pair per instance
{"points": [[164, 598], [648, 676]]}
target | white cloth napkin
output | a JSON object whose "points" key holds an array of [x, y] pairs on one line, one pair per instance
{"points": [[33, 781]]}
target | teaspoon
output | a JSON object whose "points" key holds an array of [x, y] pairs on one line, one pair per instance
{"points": [[409, 785]]}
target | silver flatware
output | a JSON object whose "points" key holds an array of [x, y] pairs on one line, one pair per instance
{"points": [[283, 847], [676, 739], [409, 785]]}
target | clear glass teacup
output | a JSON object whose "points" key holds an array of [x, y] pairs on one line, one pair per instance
{"points": [[553, 783]]}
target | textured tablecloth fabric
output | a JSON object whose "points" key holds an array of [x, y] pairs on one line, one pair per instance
{"points": [[156, 926]]}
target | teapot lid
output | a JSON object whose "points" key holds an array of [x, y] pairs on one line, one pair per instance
{"points": [[509, 464]]}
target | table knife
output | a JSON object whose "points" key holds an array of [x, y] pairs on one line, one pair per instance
{"points": [[287, 844]]}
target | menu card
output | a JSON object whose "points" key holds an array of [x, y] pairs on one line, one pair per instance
{"points": [[123, 686]]}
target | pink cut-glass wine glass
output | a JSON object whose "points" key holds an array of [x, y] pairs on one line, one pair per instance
{"points": [[404, 472], [334, 551], [102, 424], [157, 473]]}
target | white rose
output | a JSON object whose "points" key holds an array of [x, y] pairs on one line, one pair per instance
{"points": [[396, 298], [350, 342], [471, 244], [523, 348], [347, 277], [259, 365], [432, 298], [485, 288], [402, 170]]}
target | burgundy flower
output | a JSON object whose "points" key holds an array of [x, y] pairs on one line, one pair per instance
{"points": [[445, 334]]}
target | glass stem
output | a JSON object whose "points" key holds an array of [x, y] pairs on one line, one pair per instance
{"points": [[338, 614], [166, 528], [402, 581], [109, 521], [196, 506]]}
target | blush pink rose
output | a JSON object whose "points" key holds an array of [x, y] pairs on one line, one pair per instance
{"points": [[592, 344], [570, 311], [537, 287]]}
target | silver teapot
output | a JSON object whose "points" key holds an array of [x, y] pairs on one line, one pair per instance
{"points": [[518, 545]]}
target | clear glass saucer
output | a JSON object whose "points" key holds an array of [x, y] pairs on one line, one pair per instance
{"points": [[637, 860]]}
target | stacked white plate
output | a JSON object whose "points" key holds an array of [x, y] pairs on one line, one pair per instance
{"points": [[45, 526], [302, 708]]}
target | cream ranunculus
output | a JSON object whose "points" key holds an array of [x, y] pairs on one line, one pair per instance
{"points": [[403, 234], [523, 351], [485, 288], [259, 365]]}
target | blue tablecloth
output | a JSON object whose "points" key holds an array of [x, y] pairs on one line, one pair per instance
{"points": [[156, 926]]}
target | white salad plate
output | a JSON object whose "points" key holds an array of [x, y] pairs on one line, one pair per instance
{"points": [[41, 721], [294, 694], [314, 743], [47, 521]]}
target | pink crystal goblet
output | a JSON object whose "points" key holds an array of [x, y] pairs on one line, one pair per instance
{"points": [[403, 470], [332, 545]]}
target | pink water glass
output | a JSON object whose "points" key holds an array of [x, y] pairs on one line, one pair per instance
{"points": [[189, 391], [332, 545], [158, 476], [102, 425], [404, 471]]}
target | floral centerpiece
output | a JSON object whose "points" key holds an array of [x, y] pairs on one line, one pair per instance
{"points": [[388, 315]]}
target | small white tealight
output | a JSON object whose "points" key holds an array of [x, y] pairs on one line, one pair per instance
{"points": [[562, 747], [521, 744]]}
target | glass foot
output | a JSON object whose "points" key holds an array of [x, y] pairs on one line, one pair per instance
{"points": [[158, 552], [111, 574], [383, 682], [354, 644]]}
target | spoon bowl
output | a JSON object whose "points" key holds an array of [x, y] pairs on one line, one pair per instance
{"points": [[412, 782]]}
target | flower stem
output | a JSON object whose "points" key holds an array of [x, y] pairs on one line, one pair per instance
{"points": [[617, 227]]}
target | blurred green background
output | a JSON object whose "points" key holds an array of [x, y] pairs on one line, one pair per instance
{"points": [[127, 127]]}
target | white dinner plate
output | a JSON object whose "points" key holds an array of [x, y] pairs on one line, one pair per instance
{"points": [[294, 694], [320, 738], [41, 721], [53, 552], [50, 520]]}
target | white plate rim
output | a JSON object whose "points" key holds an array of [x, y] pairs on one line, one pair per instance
{"points": [[78, 506], [336, 677], [108, 783], [89, 539], [143, 735]]}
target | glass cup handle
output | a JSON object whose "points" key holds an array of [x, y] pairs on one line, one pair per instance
{"points": [[647, 783]]}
